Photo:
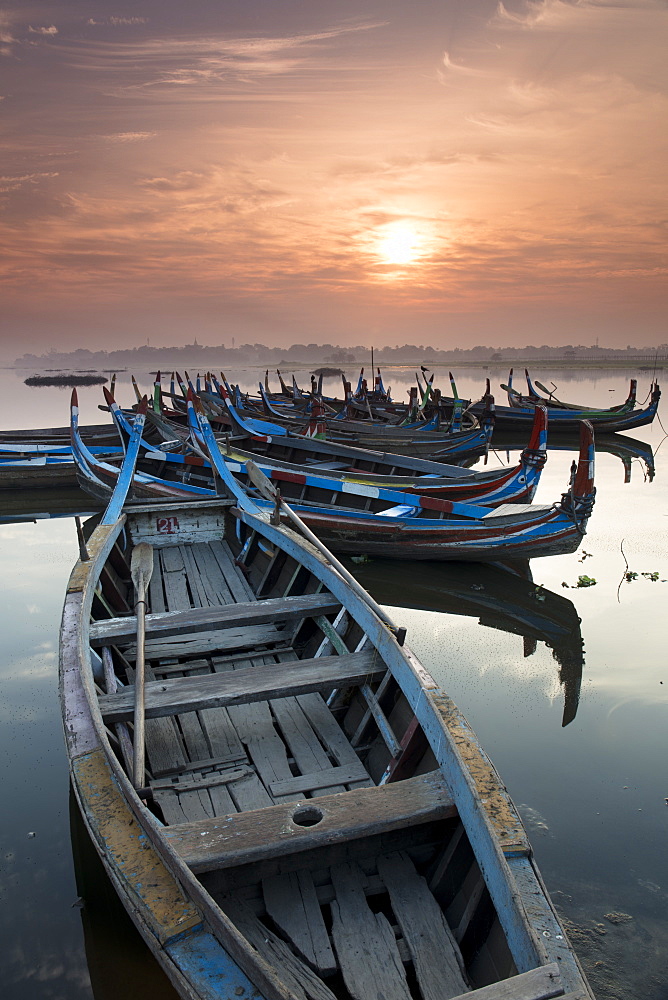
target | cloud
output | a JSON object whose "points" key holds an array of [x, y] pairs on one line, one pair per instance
{"points": [[124, 137], [7, 39], [117, 22], [9, 183], [51, 30]]}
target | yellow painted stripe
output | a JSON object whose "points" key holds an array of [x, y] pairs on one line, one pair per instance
{"points": [[493, 795], [138, 867]]}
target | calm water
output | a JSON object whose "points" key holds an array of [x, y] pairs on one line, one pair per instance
{"points": [[592, 793]]}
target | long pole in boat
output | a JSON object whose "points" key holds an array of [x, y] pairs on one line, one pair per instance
{"points": [[270, 492], [141, 570], [373, 370]]}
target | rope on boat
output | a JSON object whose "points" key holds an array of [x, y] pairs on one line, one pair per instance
{"points": [[579, 508], [534, 457]]}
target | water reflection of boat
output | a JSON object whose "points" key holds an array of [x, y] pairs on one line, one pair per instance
{"points": [[36, 505], [500, 597], [625, 448]]}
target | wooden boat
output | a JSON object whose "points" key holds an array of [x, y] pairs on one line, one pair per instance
{"points": [[519, 412], [423, 440], [505, 485], [350, 518], [34, 439], [354, 517], [310, 815], [300, 454], [627, 449]]}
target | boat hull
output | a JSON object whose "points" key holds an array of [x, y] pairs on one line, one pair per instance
{"points": [[182, 882]]}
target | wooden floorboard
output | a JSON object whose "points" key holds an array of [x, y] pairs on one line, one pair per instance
{"points": [[177, 597], [365, 945], [239, 586], [332, 735], [436, 957], [537, 984], [292, 903], [298, 977], [218, 589], [304, 745]]}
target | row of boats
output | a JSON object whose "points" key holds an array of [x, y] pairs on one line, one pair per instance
{"points": [[285, 800]]}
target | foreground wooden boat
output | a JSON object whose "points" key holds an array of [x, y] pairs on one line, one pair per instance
{"points": [[315, 819]]}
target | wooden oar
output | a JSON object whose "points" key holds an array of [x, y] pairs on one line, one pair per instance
{"points": [[141, 570], [270, 492]]}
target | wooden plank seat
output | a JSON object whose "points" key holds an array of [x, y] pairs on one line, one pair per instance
{"points": [[279, 830], [207, 619], [228, 641], [239, 687], [542, 983]]}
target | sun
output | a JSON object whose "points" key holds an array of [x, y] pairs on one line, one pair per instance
{"points": [[398, 244]]}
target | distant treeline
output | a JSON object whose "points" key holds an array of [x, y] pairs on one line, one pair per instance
{"points": [[167, 358]]}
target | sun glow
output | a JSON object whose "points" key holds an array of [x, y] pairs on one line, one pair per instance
{"points": [[398, 244]]}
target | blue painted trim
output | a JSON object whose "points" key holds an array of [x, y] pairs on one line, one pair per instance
{"points": [[124, 481], [209, 969]]}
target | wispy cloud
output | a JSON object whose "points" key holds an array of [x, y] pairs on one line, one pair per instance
{"points": [[117, 22], [9, 183]]}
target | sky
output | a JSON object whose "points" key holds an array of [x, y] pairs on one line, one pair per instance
{"points": [[281, 171]]}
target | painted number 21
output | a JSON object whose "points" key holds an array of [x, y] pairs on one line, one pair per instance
{"points": [[167, 525]]}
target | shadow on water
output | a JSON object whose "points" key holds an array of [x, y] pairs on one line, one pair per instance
{"points": [[504, 598], [120, 965]]}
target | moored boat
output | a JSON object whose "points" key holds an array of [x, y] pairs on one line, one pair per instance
{"points": [[354, 517], [311, 816], [625, 417]]}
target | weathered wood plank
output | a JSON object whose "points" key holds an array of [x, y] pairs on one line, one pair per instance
{"points": [[207, 619], [217, 588], [174, 578], [234, 577], [208, 780], [537, 984], [163, 746], [247, 792], [184, 694], [195, 582], [365, 944], [155, 589], [255, 725], [332, 735], [436, 956], [305, 747], [301, 980], [349, 774], [206, 643], [272, 832], [292, 904]]}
